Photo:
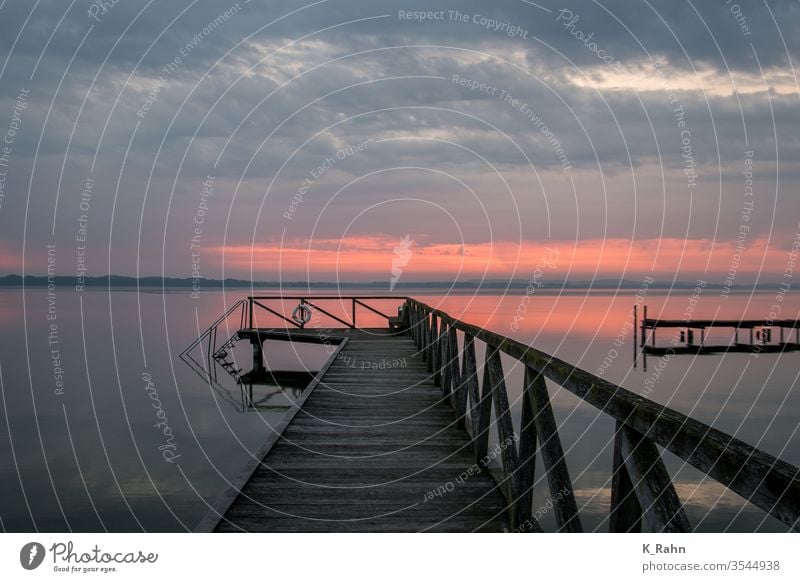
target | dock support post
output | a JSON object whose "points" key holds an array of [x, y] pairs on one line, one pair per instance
{"points": [[644, 319], [258, 353], [635, 325]]}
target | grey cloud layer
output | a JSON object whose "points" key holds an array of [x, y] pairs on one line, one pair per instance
{"points": [[169, 80]]}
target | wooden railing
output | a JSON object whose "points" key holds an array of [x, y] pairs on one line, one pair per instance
{"points": [[315, 303], [238, 311], [244, 315], [642, 492]]}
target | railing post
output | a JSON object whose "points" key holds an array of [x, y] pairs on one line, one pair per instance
{"points": [[459, 394], [469, 379], [561, 491], [526, 470], [353, 300], [419, 331], [505, 431], [441, 357], [250, 311], [426, 347], [411, 315], [625, 514], [418, 325], [424, 330], [635, 325], [481, 438], [662, 508], [433, 348], [442, 373], [413, 322]]}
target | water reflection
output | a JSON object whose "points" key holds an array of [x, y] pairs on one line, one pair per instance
{"points": [[88, 460], [273, 390], [749, 396]]}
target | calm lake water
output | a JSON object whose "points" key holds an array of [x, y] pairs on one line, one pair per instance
{"points": [[104, 427]]}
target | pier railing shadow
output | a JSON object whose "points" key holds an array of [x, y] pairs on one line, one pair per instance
{"points": [[643, 496]]}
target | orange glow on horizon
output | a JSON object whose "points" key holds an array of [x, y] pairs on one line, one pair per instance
{"points": [[371, 258]]}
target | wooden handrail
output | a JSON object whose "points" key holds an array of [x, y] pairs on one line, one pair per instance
{"points": [[313, 301], [641, 487], [212, 328]]}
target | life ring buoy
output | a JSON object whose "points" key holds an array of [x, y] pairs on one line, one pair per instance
{"points": [[301, 314]]}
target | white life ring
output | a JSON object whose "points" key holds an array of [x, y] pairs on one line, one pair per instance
{"points": [[301, 314]]}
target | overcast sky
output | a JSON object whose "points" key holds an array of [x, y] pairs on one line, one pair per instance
{"points": [[290, 140]]}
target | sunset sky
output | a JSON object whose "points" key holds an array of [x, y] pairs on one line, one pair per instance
{"points": [[302, 141]]}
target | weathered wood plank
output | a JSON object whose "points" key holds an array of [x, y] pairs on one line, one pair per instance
{"points": [[371, 450]]}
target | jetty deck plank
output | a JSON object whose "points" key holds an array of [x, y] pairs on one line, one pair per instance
{"points": [[366, 451]]}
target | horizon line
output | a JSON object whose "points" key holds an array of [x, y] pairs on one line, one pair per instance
{"points": [[103, 280]]}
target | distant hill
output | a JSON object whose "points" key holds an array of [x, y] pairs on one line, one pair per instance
{"points": [[121, 281]]}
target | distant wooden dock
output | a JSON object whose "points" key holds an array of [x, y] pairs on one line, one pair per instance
{"points": [[393, 446], [768, 336]]}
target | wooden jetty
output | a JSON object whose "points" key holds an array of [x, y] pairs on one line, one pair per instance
{"points": [[408, 448], [691, 336]]}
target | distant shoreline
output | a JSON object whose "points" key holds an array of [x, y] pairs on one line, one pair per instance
{"points": [[177, 284]]}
